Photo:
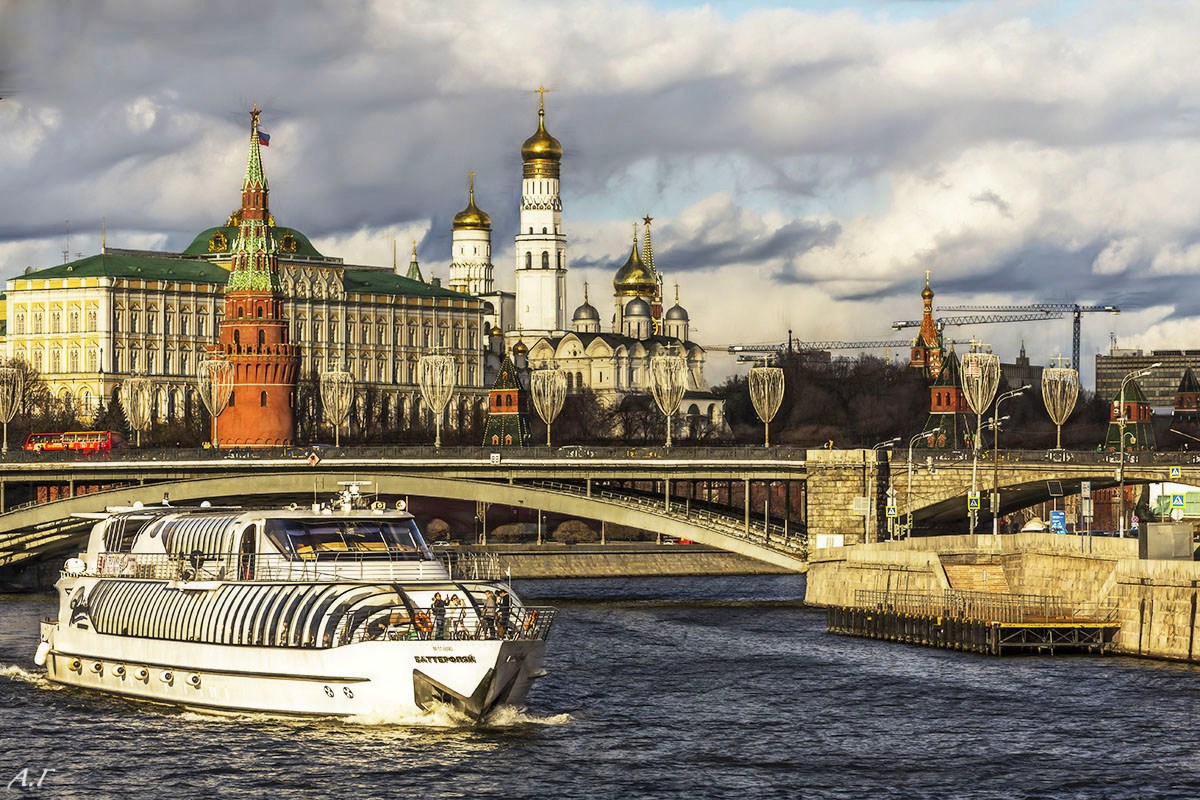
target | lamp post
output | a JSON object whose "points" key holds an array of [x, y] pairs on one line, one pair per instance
{"points": [[980, 377], [1121, 444], [996, 456], [874, 478], [908, 496]]}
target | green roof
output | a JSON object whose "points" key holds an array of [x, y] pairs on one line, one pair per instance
{"points": [[378, 281], [107, 265], [204, 244]]}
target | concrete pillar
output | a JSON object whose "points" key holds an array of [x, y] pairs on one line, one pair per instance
{"points": [[746, 505], [667, 495], [602, 532]]}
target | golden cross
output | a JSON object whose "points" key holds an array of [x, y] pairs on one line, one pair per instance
{"points": [[414, 253], [471, 182], [541, 93], [254, 112], [635, 233]]}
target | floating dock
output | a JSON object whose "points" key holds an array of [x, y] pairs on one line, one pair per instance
{"points": [[977, 622]]}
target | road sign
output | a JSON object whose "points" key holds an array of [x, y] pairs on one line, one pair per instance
{"points": [[1086, 508], [1085, 490], [972, 501], [1177, 514], [860, 506], [891, 492], [1176, 472], [891, 511], [1058, 521], [1177, 501]]}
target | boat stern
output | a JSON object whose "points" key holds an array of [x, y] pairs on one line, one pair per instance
{"points": [[474, 683]]}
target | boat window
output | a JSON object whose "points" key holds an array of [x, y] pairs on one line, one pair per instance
{"points": [[314, 538]]}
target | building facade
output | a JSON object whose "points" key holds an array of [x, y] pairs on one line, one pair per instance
{"points": [[1159, 386], [88, 325]]}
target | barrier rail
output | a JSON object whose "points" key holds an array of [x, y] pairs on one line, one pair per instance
{"points": [[272, 567], [989, 606], [399, 623]]}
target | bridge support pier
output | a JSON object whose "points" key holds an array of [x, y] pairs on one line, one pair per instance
{"points": [[746, 504]]}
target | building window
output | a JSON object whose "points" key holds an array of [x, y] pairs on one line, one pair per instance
{"points": [[56, 322], [529, 259], [20, 325], [545, 259], [37, 322], [73, 363], [262, 399], [91, 320], [93, 360]]}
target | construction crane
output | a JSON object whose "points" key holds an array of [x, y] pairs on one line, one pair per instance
{"points": [[1074, 309], [977, 319]]}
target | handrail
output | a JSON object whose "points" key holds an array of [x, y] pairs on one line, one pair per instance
{"points": [[987, 606], [466, 622]]}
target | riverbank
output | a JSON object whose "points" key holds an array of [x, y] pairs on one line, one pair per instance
{"points": [[622, 559], [1155, 601]]}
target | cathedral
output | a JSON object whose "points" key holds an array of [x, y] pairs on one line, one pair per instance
{"points": [[532, 325]]}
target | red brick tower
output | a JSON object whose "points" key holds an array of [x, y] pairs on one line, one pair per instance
{"points": [[254, 334]]}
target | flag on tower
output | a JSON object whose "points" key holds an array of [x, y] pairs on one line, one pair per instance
{"points": [[264, 138]]}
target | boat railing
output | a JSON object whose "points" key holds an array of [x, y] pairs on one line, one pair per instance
{"points": [[198, 566], [463, 623]]}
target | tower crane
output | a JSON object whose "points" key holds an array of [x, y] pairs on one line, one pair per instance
{"points": [[977, 319], [1074, 309]]}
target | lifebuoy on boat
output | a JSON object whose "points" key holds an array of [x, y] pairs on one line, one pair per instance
{"points": [[424, 623], [530, 621]]}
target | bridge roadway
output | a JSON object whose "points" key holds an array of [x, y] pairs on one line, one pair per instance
{"points": [[578, 487]]}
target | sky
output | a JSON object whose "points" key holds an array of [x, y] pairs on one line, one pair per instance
{"points": [[804, 163]]}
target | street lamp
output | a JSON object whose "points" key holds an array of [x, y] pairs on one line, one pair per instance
{"points": [[908, 496], [875, 448], [996, 456], [980, 377], [1121, 443]]}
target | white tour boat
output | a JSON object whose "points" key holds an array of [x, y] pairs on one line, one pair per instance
{"points": [[323, 610]]}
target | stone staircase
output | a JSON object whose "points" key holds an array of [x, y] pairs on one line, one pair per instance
{"points": [[977, 578]]}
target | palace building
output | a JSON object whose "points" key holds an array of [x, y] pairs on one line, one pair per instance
{"points": [[88, 325]]}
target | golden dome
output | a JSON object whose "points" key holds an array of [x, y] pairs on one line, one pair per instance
{"points": [[472, 217], [519, 349], [927, 293], [541, 152], [633, 279]]}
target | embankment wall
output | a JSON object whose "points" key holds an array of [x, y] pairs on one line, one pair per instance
{"points": [[1155, 601]]}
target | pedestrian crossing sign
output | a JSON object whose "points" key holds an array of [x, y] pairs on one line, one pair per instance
{"points": [[973, 501], [891, 511], [1176, 472], [1176, 501]]}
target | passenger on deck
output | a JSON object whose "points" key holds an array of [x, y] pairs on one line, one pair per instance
{"points": [[503, 606], [488, 629], [438, 607]]}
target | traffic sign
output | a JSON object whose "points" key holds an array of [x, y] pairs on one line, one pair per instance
{"points": [[1176, 472], [1085, 489], [891, 511], [1177, 501], [972, 501]]}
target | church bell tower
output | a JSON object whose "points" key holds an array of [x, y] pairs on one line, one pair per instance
{"points": [[541, 243]]}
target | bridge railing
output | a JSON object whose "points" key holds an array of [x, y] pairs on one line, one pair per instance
{"points": [[1132, 458], [772, 535], [302, 452]]}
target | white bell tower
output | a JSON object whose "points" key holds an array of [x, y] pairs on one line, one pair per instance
{"points": [[541, 243]]}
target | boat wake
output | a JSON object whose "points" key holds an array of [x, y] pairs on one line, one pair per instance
{"points": [[38, 679], [447, 717]]}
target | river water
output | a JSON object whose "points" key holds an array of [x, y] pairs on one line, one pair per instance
{"points": [[659, 688]]}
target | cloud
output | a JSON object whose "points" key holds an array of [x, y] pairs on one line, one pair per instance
{"points": [[1021, 151]]}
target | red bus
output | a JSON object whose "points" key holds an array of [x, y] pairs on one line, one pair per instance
{"points": [[84, 441]]}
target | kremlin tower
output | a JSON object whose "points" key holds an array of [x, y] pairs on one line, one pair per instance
{"points": [[253, 335], [927, 347]]}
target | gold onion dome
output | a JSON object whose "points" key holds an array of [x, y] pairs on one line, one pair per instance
{"points": [[541, 146], [927, 293], [633, 278], [472, 217], [541, 152]]}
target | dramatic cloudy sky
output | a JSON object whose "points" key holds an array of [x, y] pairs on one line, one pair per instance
{"points": [[805, 162]]}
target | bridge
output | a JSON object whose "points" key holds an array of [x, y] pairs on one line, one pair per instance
{"points": [[707, 497], [765, 503]]}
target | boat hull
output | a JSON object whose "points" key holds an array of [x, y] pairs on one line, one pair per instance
{"points": [[377, 679]]}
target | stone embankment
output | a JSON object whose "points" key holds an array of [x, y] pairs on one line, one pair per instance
{"points": [[630, 559], [1155, 601]]}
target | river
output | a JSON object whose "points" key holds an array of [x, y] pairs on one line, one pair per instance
{"points": [[658, 688]]}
